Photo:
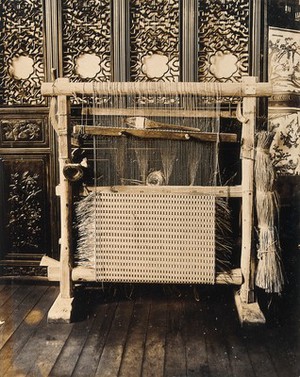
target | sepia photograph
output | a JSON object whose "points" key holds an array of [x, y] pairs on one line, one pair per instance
{"points": [[150, 188]]}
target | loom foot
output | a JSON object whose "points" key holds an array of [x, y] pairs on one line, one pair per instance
{"points": [[61, 310], [249, 313]]}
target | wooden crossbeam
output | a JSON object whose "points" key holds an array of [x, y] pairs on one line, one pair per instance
{"points": [[158, 112], [217, 191], [63, 86], [156, 134]]}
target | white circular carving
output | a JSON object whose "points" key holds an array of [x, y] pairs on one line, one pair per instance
{"points": [[155, 65], [87, 65], [21, 67], [223, 64]]}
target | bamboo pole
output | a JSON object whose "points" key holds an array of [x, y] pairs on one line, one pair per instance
{"points": [[247, 156], [62, 86], [65, 193], [176, 112], [217, 191]]}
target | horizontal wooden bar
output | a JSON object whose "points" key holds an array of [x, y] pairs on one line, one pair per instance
{"points": [[48, 261], [88, 274], [155, 134], [158, 112], [62, 86], [217, 191], [234, 277]]}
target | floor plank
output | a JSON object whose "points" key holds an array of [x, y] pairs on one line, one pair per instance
{"points": [[175, 356], [154, 355], [28, 341], [11, 360], [133, 354], [110, 361], [284, 334], [72, 348], [53, 338], [154, 334], [6, 294], [92, 351], [217, 352], [259, 355], [224, 319], [195, 340], [232, 336], [20, 312], [285, 363]]}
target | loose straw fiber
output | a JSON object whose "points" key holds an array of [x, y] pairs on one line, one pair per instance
{"points": [[269, 274]]}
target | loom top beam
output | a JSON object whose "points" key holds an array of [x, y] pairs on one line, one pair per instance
{"points": [[63, 86]]}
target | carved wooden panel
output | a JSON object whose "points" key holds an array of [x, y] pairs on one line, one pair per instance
{"points": [[21, 52], [223, 40], [25, 206], [86, 40], [25, 131], [154, 40]]}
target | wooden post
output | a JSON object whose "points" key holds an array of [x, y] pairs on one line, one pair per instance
{"points": [[61, 309], [248, 309], [65, 196], [247, 156]]}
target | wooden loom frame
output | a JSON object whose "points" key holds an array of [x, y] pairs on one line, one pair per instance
{"points": [[62, 270]]}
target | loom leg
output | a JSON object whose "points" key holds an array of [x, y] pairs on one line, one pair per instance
{"points": [[61, 310], [249, 313]]}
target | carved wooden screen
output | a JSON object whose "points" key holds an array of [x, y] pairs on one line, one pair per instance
{"points": [[86, 40], [154, 40], [25, 142], [25, 213], [21, 52], [169, 40], [223, 40]]}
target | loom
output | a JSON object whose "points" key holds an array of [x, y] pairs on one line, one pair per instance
{"points": [[152, 221]]}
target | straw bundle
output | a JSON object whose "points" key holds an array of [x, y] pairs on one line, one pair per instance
{"points": [[269, 274], [85, 228], [223, 235]]}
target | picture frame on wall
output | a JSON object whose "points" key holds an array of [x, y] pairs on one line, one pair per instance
{"points": [[284, 66]]}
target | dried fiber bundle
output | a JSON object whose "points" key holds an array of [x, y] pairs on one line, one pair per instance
{"points": [[85, 228], [267, 207], [269, 273], [223, 235], [264, 171]]}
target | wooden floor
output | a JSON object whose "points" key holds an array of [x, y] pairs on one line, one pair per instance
{"points": [[152, 331]]}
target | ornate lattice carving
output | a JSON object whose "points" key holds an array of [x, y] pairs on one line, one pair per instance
{"points": [[223, 40], [22, 59], [21, 130], [86, 40], [24, 211], [154, 40]]}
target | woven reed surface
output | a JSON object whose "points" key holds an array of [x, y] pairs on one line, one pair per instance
{"points": [[162, 238]]}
